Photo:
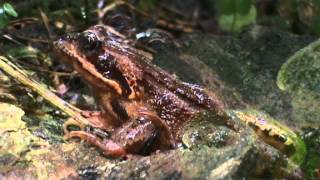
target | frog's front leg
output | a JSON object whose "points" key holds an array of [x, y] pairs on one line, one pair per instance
{"points": [[95, 118], [131, 138]]}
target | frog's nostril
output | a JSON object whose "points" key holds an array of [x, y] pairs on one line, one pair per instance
{"points": [[59, 44], [56, 44]]}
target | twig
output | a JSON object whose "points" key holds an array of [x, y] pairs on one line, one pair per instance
{"points": [[8, 37], [24, 79], [116, 3], [45, 21]]}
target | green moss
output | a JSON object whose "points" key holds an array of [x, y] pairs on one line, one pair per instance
{"points": [[306, 107], [311, 136], [46, 126]]}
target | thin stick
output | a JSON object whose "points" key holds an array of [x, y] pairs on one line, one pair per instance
{"points": [[21, 76]]}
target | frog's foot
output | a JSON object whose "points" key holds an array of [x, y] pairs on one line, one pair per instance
{"points": [[109, 147], [161, 125], [95, 119]]}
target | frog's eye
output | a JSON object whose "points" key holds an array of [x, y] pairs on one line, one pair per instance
{"points": [[89, 41]]}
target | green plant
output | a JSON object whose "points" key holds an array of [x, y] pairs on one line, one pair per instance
{"points": [[6, 11], [235, 14]]}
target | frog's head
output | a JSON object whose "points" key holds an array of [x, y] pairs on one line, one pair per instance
{"points": [[103, 59]]}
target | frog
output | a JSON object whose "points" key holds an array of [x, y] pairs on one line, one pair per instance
{"points": [[143, 107]]}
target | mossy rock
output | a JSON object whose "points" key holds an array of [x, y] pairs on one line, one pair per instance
{"points": [[202, 162], [306, 107], [311, 165], [15, 139], [300, 76], [232, 154], [302, 70]]}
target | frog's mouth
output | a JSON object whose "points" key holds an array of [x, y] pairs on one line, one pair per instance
{"points": [[67, 50], [94, 59]]}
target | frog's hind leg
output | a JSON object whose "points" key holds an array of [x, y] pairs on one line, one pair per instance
{"points": [[161, 125], [109, 147]]}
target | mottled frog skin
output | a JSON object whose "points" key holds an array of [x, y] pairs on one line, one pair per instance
{"points": [[142, 106]]}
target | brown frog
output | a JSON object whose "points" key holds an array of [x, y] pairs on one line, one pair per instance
{"points": [[142, 106]]}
